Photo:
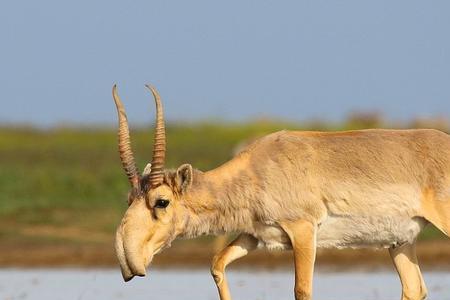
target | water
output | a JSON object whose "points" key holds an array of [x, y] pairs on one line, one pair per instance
{"points": [[99, 284]]}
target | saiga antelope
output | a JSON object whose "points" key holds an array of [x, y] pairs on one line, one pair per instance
{"points": [[292, 190]]}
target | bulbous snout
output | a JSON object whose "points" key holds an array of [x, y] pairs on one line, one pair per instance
{"points": [[132, 246], [130, 258]]}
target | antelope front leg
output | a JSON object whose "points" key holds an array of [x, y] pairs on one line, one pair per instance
{"points": [[236, 249], [303, 238], [405, 261]]}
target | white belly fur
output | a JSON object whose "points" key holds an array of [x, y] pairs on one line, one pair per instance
{"points": [[367, 231], [273, 237], [348, 232]]}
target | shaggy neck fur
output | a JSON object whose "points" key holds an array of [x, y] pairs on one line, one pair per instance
{"points": [[220, 200]]}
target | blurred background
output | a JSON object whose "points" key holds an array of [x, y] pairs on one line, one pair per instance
{"points": [[228, 72]]}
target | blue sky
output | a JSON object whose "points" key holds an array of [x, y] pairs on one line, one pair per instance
{"points": [[227, 60]]}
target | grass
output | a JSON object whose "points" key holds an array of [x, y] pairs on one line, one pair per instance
{"points": [[68, 178]]}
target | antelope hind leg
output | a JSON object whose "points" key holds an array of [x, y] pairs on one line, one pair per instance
{"points": [[302, 234], [243, 244], [405, 261]]}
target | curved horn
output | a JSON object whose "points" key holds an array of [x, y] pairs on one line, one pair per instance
{"points": [[126, 155], [159, 148]]}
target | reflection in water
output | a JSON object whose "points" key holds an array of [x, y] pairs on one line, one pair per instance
{"points": [[105, 284]]}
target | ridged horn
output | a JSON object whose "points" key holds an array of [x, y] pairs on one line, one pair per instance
{"points": [[126, 154], [159, 148]]}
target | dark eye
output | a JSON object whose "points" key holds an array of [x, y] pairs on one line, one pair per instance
{"points": [[161, 203]]}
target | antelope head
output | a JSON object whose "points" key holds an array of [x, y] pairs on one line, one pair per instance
{"points": [[155, 215]]}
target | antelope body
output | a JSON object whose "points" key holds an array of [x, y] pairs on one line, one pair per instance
{"points": [[292, 190]]}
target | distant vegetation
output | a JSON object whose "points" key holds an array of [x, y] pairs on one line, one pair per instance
{"points": [[66, 184]]}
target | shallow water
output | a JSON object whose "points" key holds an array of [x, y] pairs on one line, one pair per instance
{"points": [[105, 284]]}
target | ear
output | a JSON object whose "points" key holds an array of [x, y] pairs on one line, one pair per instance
{"points": [[184, 177], [147, 170]]}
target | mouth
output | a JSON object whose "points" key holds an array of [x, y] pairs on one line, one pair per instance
{"points": [[127, 278], [129, 272], [131, 267], [132, 260]]}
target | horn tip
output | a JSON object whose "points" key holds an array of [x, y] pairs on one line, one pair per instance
{"points": [[150, 87], [114, 90]]}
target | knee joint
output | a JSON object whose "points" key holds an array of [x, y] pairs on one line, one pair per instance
{"points": [[300, 294], [416, 294], [217, 271]]}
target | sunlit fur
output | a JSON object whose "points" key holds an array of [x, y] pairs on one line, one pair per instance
{"points": [[368, 188]]}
